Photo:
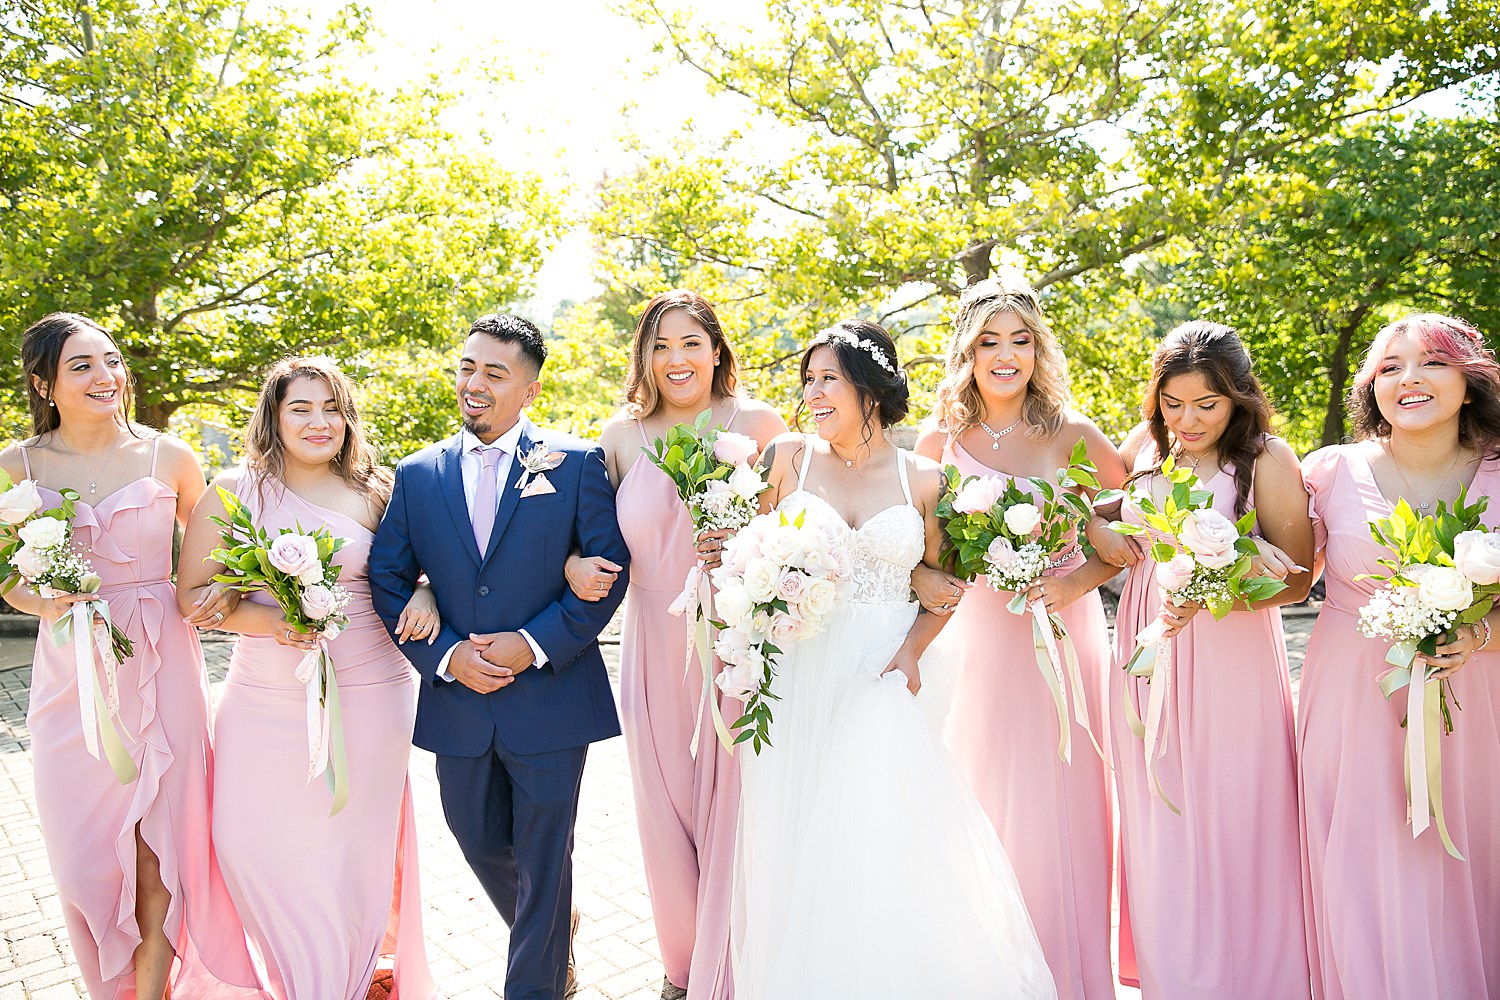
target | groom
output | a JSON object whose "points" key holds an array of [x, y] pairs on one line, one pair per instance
{"points": [[513, 689]]}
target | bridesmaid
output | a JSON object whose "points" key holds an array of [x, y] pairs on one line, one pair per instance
{"points": [[1210, 899], [1003, 409], [1389, 916], [323, 897], [680, 365], [144, 905]]}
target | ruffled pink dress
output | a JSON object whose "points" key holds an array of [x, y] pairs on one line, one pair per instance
{"points": [[1389, 917], [88, 818], [323, 898], [1210, 901], [1054, 818], [687, 808]]}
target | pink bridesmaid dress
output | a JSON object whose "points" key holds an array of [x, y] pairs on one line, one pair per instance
{"points": [[323, 898], [88, 818], [687, 808], [1389, 917], [1054, 818], [1211, 900]]}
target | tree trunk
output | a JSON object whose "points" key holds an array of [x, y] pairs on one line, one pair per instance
{"points": [[1338, 377], [976, 261], [155, 413]]}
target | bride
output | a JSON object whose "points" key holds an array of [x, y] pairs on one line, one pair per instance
{"points": [[865, 868]]}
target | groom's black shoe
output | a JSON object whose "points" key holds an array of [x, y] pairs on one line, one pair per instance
{"points": [[571, 986]]}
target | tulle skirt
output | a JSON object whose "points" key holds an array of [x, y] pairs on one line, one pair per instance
{"points": [[864, 866]]}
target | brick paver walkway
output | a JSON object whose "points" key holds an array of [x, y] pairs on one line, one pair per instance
{"points": [[466, 940]]}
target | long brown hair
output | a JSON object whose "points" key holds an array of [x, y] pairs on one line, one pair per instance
{"points": [[641, 395], [1454, 342], [1214, 351], [41, 355], [265, 452], [959, 405]]}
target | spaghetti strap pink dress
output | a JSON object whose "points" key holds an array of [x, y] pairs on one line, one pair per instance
{"points": [[88, 818], [1210, 901], [687, 808], [1054, 818], [323, 898], [1390, 917]]}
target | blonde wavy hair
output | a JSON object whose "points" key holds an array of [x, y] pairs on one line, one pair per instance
{"points": [[959, 406], [357, 461]]}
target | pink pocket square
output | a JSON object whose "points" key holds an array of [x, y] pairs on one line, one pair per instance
{"points": [[539, 486]]}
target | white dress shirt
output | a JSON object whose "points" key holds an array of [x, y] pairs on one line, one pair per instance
{"points": [[472, 465]]}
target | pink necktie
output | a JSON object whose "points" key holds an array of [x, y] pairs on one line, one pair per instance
{"points": [[486, 496]]}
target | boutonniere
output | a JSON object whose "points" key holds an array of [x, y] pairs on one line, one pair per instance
{"points": [[537, 462]]}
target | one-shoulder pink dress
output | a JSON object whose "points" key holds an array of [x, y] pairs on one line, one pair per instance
{"points": [[687, 808], [1391, 917], [1210, 901], [323, 898], [88, 818], [1054, 818]]}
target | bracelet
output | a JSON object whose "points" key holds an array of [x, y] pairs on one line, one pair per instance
{"points": [[1486, 640]]}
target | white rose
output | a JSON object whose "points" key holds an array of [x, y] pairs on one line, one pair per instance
{"points": [[295, 555], [20, 502], [746, 482], [312, 576], [733, 605], [734, 449], [1175, 573], [731, 645], [819, 599], [44, 532], [781, 545], [1210, 537], [738, 680], [761, 577], [29, 563], [317, 602], [760, 625], [1477, 556], [1446, 589], [1022, 518]]}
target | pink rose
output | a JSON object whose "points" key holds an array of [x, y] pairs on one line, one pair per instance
{"points": [[1001, 555], [318, 602], [979, 495], [791, 586], [738, 680], [1210, 537], [1175, 573], [295, 555], [734, 449], [784, 629]]}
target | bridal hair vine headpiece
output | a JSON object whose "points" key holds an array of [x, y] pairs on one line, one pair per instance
{"points": [[868, 346]]}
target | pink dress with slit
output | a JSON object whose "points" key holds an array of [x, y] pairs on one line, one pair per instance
{"points": [[323, 898], [1390, 917], [1054, 818], [687, 808], [88, 818], [1210, 900]]}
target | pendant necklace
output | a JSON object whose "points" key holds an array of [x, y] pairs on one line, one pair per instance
{"points": [[1411, 493], [995, 435], [98, 471]]}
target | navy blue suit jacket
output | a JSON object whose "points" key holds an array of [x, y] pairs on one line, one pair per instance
{"points": [[518, 584]]}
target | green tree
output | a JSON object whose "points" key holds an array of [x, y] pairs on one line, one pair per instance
{"points": [[1382, 220], [929, 142], [215, 188]]}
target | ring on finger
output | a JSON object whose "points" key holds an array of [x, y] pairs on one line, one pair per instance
{"points": [[945, 607]]}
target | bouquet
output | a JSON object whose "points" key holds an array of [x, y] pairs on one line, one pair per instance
{"points": [[1202, 557], [719, 483], [779, 582], [1443, 572], [37, 546], [295, 568], [994, 528]]}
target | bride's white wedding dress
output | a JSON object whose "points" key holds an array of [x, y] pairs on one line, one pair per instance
{"points": [[865, 868]]}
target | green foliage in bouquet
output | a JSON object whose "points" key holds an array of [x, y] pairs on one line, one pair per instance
{"points": [[686, 455], [245, 556]]}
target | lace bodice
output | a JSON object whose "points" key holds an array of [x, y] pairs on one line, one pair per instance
{"points": [[884, 550]]}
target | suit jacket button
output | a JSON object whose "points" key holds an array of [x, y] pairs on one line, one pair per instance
{"points": [[484, 592]]}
